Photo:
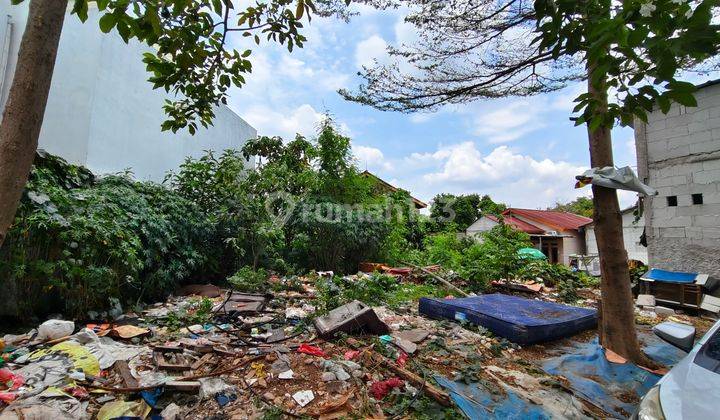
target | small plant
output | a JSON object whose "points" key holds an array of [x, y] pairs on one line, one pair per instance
{"points": [[249, 280]]}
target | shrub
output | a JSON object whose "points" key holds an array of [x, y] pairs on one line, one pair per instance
{"points": [[77, 241], [250, 280]]}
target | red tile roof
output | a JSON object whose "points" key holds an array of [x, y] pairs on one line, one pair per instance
{"points": [[518, 224], [559, 220]]}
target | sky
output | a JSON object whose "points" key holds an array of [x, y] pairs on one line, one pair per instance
{"points": [[523, 151]]}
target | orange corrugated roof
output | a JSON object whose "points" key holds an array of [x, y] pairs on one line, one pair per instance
{"points": [[557, 219]]}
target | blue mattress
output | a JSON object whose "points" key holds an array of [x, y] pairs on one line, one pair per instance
{"points": [[523, 321], [669, 276]]}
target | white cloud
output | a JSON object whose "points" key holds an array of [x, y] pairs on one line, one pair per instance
{"points": [[371, 158], [517, 179], [509, 123], [272, 122], [370, 49]]}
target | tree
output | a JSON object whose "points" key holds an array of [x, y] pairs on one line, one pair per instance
{"points": [[460, 211], [581, 205], [191, 61], [635, 49]]}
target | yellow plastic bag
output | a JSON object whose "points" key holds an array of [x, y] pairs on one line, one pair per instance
{"points": [[115, 409], [80, 357]]}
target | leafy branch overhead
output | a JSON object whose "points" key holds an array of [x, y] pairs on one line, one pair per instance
{"points": [[196, 44], [473, 49]]}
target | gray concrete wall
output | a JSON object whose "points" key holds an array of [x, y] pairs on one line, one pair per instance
{"points": [[679, 155], [102, 112]]}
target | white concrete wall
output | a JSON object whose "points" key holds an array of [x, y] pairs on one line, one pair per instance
{"points": [[483, 224], [102, 112], [679, 155], [573, 244], [631, 237]]}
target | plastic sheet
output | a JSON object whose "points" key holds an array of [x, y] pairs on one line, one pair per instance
{"points": [[478, 403], [614, 387]]}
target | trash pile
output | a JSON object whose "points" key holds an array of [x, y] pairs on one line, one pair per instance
{"points": [[214, 353]]}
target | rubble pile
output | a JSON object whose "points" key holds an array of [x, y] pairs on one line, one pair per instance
{"points": [[216, 353]]}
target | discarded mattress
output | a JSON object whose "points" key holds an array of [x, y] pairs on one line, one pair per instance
{"points": [[665, 276], [523, 321]]}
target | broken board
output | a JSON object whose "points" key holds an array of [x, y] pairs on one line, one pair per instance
{"points": [[520, 320]]}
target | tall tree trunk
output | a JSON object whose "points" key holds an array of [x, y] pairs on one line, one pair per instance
{"points": [[617, 324], [26, 102]]}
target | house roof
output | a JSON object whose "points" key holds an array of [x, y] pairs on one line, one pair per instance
{"points": [[517, 224], [384, 184], [559, 220]]}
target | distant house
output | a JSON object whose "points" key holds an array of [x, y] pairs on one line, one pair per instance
{"points": [[557, 234], [632, 233], [385, 187], [101, 112], [678, 154]]}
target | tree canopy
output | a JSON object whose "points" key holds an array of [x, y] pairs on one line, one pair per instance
{"points": [[471, 49]]}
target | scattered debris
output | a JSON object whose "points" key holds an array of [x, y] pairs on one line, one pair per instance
{"points": [[215, 351], [350, 318]]}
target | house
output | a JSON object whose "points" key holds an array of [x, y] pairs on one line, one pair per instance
{"points": [[632, 237], [678, 154], [385, 187], [101, 111], [557, 234]]}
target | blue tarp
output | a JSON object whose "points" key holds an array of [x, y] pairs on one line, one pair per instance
{"points": [[523, 321], [669, 276], [615, 387], [478, 403]]}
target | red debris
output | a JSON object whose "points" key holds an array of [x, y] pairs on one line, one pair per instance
{"points": [[312, 350], [402, 359], [381, 388], [9, 382], [351, 354]]}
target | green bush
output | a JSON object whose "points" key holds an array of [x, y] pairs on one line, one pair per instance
{"points": [[77, 241], [250, 280]]}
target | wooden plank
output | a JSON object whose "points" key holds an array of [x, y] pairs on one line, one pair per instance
{"points": [[123, 369], [201, 361], [437, 394]]}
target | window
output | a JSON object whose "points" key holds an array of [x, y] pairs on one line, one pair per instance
{"points": [[697, 199], [672, 201]]}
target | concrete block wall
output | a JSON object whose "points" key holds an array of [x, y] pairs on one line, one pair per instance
{"points": [[679, 155]]}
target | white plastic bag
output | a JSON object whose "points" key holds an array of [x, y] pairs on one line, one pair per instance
{"points": [[55, 328]]}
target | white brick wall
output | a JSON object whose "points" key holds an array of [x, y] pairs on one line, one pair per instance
{"points": [[683, 158]]}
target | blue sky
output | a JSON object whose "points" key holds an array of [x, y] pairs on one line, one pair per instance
{"points": [[522, 151]]}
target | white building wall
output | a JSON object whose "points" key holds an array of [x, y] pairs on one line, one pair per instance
{"points": [[679, 155], [102, 112], [631, 237], [483, 224]]}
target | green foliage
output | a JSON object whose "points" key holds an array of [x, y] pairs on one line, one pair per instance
{"points": [[196, 311], [494, 257], [557, 275], [636, 47], [374, 290], [451, 212], [249, 280], [77, 241], [582, 206]]}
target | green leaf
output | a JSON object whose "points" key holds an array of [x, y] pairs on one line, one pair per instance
{"points": [[80, 8], [664, 103], [683, 98], [217, 6], [300, 10], [107, 22]]}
